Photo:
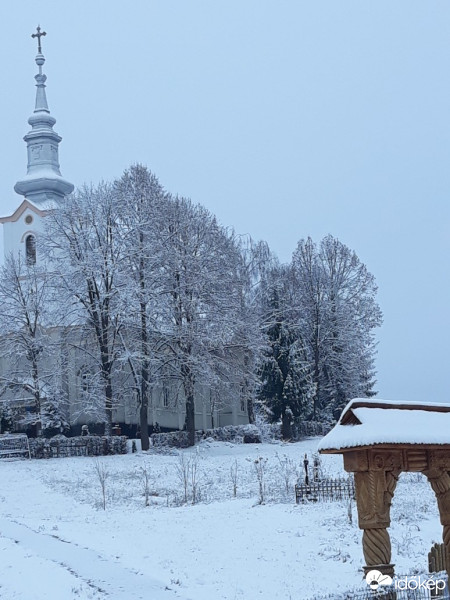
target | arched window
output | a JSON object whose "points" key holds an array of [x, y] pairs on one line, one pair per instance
{"points": [[30, 249], [165, 397], [84, 380]]}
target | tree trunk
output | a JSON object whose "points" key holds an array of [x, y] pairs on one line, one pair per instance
{"points": [[190, 419], [286, 427], [145, 370], [250, 409], [108, 405], [143, 419], [143, 413], [37, 396], [188, 383], [106, 368], [317, 391]]}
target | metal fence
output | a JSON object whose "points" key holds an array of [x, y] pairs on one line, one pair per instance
{"points": [[340, 488], [13, 445]]}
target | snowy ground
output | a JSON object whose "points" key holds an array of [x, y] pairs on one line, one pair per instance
{"points": [[57, 542]]}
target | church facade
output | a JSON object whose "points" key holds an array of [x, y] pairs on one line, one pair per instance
{"points": [[42, 190]]}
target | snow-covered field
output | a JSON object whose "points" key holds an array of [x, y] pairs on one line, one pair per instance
{"points": [[57, 542]]}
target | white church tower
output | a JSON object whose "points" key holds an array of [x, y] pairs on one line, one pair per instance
{"points": [[43, 187]]}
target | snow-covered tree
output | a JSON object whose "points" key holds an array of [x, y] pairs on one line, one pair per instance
{"points": [[286, 386], [84, 246], [201, 317], [31, 378], [337, 314], [142, 202], [309, 305], [256, 259]]}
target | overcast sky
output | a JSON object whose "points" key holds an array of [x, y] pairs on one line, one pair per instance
{"points": [[285, 118]]}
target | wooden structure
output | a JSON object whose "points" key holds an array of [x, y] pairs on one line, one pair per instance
{"points": [[380, 439], [436, 558]]}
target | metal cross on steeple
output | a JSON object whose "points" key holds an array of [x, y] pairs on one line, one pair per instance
{"points": [[38, 35]]}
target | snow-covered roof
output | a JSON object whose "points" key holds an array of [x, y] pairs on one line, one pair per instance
{"points": [[38, 207], [366, 422], [48, 204]]}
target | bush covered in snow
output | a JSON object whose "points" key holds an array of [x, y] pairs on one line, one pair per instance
{"points": [[302, 429], [247, 434]]}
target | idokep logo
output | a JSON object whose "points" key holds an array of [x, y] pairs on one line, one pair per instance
{"points": [[376, 578], [419, 583]]}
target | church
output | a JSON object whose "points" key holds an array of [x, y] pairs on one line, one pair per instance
{"points": [[42, 190]]}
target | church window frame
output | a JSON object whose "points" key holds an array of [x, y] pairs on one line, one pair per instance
{"points": [[30, 249], [165, 397], [242, 399], [85, 384]]}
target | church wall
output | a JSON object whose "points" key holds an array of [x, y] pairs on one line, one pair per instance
{"points": [[15, 232], [167, 399]]}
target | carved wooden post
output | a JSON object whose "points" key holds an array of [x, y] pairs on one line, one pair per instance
{"points": [[376, 476], [374, 492], [440, 482]]}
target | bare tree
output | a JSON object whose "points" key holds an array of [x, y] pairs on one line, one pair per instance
{"points": [[84, 246], [256, 259], [183, 468], [337, 315], [145, 472], [102, 473], [287, 472], [202, 314], [190, 476], [33, 368], [260, 465], [310, 304], [142, 202], [234, 476]]}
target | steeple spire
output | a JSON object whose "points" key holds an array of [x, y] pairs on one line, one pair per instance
{"points": [[43, 181]]}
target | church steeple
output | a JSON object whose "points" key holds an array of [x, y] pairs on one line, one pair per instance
{"points": [[43, 181]]}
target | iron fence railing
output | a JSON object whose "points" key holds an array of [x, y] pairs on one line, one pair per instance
{"points": [[340, 488]]}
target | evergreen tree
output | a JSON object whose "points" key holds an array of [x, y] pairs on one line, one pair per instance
{"points": [[285, 383]]}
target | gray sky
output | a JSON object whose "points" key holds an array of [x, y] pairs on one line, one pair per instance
{"points": [[285, 118]]}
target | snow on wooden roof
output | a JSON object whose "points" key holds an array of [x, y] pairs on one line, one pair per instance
{"points": [[367, 422]]}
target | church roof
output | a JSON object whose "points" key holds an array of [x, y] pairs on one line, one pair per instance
{"points": [[365, 423], [40, 209]]}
